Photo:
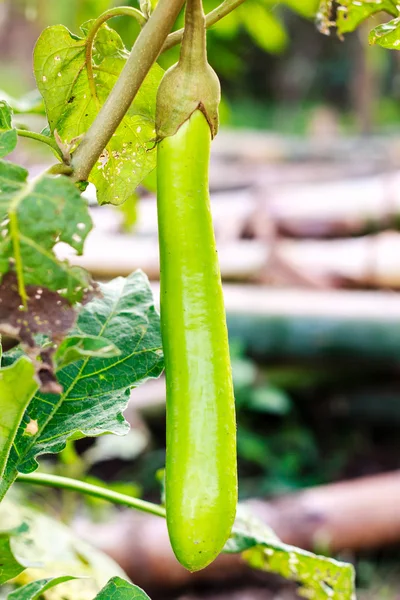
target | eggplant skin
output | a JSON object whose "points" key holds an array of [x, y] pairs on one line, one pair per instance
{"points": [[201, 465]]}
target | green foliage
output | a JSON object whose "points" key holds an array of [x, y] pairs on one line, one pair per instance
{"points": [[96, 389], [36, 548], [73, 100], [35, 589], [120, 589], [34, 216], [8, 135], [319, 577], [350, 14], [17, 386], [10, 567]]}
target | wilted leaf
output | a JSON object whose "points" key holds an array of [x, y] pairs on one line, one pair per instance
{"points": [[319, 577], [49, 549], [35, 216], [8, 135], [72, 105], [96, 390]]}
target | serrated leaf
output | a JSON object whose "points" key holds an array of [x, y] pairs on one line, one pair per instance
{"points": [[8, 135], [387, 35], [120, 589], [351, 13], [17, 386], [34, 216], [10, 567], [319, 577], [96, 390], [76, 347], [35, 589], [72, 105]]}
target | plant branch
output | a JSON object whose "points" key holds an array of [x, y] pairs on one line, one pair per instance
{"points": [[211, 18], [39, 137], [119, 11], [142, 57], [65, 483]]}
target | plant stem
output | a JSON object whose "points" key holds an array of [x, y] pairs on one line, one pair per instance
{"points": [[39, 137], [211, 18], [143, 55], [119, 11], [65, 483]]}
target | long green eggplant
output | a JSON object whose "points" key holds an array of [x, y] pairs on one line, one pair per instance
{"points": [[201, 473]]}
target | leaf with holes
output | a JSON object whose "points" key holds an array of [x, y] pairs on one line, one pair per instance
{"points": [[351, 13], [96, 389], [34, 216], [73, 100], [120, 589], [319, 577], [8, 135]]}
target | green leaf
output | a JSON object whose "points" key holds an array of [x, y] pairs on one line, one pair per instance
{"points": [[72, 105], [8, 135], [35, 216], [10, 567], [96, 390], [119, 589], [387, 35], [17, 386], [351, 13], [76, 347], [30, 103], [319, 577], [47, 548], [35, 589], [264, 27]]}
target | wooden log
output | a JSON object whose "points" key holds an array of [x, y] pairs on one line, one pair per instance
{"points": [[348, 516]]}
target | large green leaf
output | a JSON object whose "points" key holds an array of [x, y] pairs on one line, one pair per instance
{"points": [[8, 135], [96, 390], [120, 589], [17, 386], [34, 216], [320, 577], [71, 104], [35, 589]]}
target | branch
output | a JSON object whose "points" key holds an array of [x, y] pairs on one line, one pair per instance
{"points": [[65, 483], [39, 137], [119, 11], [143, 55], [213, 17]]}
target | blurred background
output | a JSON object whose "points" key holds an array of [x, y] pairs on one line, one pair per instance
{"points": [[305, 186]]}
